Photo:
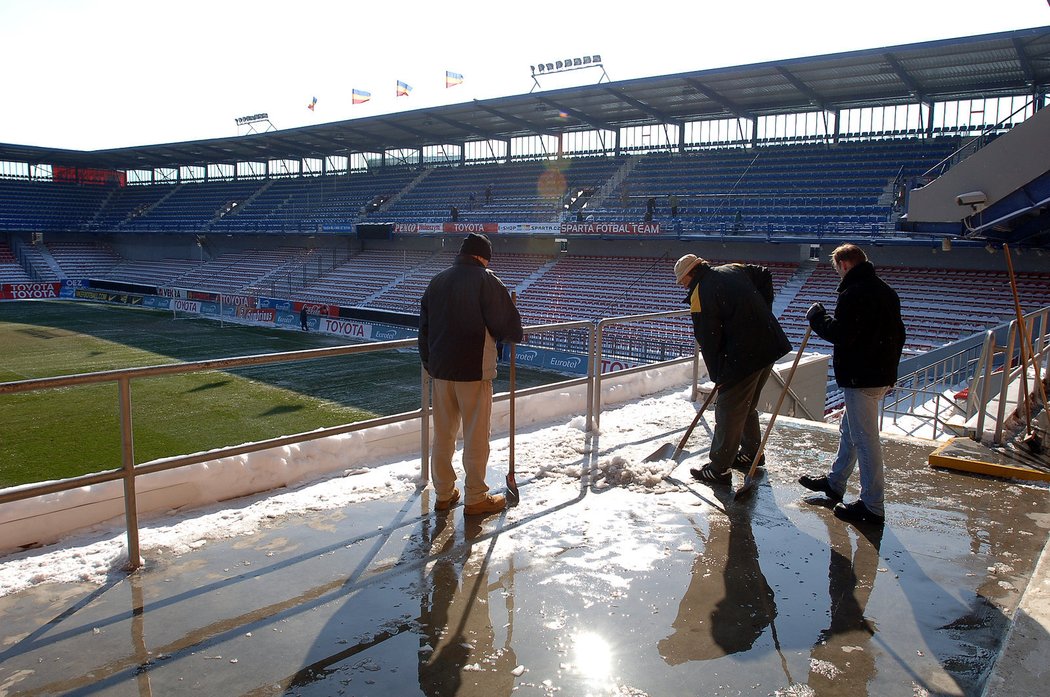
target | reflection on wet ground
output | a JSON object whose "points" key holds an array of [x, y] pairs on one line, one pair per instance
{"points": [[667, 590]]}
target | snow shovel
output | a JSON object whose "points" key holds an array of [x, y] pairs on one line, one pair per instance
{"points": [[513, 497], [670, 452], [1031, 439], [749, 480]]}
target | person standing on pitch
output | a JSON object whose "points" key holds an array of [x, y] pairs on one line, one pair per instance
{"points": [[868, 338], [464, 311], [740, 339]]}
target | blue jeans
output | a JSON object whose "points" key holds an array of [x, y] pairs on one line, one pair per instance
{"points": [[859, 443]]}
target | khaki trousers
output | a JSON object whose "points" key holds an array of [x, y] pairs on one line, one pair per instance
{"points": [[471, 404]]}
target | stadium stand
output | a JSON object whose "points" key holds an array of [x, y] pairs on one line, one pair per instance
{"points": [[290, 230], [798, 189], [10, 270]]}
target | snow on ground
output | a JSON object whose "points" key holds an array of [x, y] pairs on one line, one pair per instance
{"points": [[549, 456], [552, 454]]}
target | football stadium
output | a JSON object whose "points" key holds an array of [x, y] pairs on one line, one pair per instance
{"points": [[216, 426]]}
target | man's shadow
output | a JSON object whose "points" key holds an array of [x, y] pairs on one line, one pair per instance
{"points": [[851, 578], [728, 603], [457, 638]]}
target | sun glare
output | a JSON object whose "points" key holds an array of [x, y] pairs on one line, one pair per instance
{"points": [[593, 657]]}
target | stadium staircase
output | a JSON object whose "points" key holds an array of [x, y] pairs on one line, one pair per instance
{"points": [[136, 215], [535, 276], [787, 293], [244, 205], [93, 221], [392, 201], [36, 265], [613, 183], [10, 270]]}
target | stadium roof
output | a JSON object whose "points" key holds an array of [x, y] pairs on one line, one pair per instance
{"points": [[1006, 63]]}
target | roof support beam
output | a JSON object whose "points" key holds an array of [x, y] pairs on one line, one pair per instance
{"points": [[644, 108], [802, 87], [1022, 60], [459, 125], [720, 100], [408, 129], [910, 82], [528, 125], [341, 144], [579, 115]]}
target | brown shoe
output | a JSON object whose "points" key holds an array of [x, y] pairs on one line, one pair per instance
{"points": [[489, 504], [448, 503]]}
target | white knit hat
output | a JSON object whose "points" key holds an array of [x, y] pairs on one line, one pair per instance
{"points": [[683, 266]]}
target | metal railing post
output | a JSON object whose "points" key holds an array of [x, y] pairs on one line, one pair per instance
{"points": [[424, 425], [127, 457], [988, 356], [1008, 362], [695, 392], [596, 377], [593, 361]]}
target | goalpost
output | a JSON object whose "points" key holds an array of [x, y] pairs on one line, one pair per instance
{"points": [[191, 309]]}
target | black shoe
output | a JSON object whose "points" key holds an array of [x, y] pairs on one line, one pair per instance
{"points": [[820, 484], [857, 512], [743, 462], [708, 475]]}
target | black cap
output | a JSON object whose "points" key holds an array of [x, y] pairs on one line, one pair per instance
{"points": [[477, 245]]}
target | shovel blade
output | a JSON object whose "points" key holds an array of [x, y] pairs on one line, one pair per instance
{"points": [[747, 487], [664, 452], [513, 496]]}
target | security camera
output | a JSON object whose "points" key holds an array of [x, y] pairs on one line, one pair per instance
{"points": [[971, 198]]}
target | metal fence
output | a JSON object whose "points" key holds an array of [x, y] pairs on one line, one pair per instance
{"points": [[129, 470], [985, 364]]}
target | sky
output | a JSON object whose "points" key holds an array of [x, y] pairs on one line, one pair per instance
{"points": [[97, 74]]}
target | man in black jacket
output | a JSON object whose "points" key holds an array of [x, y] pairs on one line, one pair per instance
{"points": [[464, 311], [868, 335], [740, 339]]}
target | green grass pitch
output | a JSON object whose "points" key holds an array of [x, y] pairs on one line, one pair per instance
{"points": [[54, 434]]}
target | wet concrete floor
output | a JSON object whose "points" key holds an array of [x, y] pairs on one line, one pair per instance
{"points": [[583, 589]]}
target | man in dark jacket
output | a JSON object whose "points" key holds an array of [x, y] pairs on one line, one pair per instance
{"points": [[464, 311], [868, 335], [740, 339]]}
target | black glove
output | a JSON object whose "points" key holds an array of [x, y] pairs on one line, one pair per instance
{"points": [[814, 310]]}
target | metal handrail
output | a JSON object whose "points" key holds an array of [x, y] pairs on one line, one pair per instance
{"points": [[976, 364], [596, 352], [1010, 371], [129, 471]]}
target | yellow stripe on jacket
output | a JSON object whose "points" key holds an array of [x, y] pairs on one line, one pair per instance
{"points": [[694, 300]]}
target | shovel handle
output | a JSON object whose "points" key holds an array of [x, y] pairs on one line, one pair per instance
{"points": [[1025, 344], [696, 420], [776, 409], [510, 417]]}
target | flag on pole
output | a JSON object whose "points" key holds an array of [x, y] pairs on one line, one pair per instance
{"points": [[312, 104], [452, 79], [403, 89], [360, 96]]}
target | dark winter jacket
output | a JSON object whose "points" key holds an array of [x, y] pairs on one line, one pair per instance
{"points": [[866, 330], [464, 311], [732, 310]]}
